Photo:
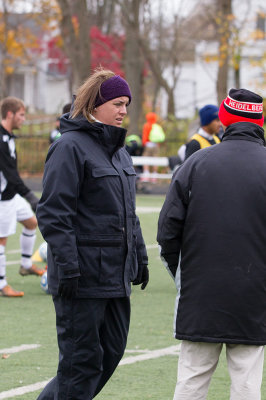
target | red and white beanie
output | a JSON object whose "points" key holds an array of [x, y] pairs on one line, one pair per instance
{"points": [[241, 105]]}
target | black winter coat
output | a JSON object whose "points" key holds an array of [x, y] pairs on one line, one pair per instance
{"points": [[215, 214], [87, 210]]}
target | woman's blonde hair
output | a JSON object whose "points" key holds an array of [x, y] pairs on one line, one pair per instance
{"points": [[87, 93]]}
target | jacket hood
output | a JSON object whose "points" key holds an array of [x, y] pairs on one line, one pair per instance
{"points": [[151, 117], [76, 124], [244, 130], [110, 136]]}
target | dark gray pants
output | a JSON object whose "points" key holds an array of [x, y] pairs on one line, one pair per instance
{"points": [[92, 336]]}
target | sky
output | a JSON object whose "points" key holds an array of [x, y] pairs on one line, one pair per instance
{"points": [[21, 5], [171, 7]]}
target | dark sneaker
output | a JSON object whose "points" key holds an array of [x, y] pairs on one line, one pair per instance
{"points": [[33, 270]]}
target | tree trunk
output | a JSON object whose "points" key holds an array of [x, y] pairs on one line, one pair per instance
{"points": [[162, 82], [237, 78], [134, 65], [75, 30], [171, 103], [3, 55], [237, 62], [222, 82], [224, 11], [129, 9]]}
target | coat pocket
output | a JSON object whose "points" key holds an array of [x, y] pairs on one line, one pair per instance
{"points": [[101, 259], [131, 179], [112, 266]]}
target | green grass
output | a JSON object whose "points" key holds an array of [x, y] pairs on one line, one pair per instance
{"points": [[32, 320]]}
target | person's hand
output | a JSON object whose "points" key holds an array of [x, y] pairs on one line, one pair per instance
{"points": [[32, 199], [143, 276], [68, 287]]}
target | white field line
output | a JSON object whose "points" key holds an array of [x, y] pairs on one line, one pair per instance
{"points": [[13, 262], [16, 251], [17, 349], [23, 390], [172, 350], [151, 246], [137, 351], [148, 210]]}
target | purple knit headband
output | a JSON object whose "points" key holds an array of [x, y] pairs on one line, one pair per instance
{"points": [[111, 89]]}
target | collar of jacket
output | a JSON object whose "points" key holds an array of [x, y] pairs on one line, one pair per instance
{"points": [[5, 132], [111, 137], [244, 131]]}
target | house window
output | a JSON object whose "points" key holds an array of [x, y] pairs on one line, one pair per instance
{"points": [[261, 23]]}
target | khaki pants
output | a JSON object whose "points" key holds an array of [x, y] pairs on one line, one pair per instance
{"points": [[198, 361]]}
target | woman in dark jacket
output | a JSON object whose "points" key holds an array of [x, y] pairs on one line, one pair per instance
{"points": [[95, 245]]}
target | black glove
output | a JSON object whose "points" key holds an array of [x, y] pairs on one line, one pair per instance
{"points": [[68, 287], [32, 199], [143, 276]]}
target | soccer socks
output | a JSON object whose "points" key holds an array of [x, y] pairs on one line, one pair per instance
{"points": [[3, 281], [27, 241]]}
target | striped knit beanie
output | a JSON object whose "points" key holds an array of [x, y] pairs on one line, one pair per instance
{"points": [[241, 105]]}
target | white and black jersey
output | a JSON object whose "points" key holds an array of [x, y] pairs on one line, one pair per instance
{"points": [[10, 180]]}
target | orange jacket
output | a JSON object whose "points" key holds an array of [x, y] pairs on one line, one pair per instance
{"points": [[151, 118]]}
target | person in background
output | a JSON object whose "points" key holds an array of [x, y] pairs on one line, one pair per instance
{"points": [[214, 219], [55, 134], [152, 136], [66, 109], [95, 246], [209, 129], [15, 197], [134, 145], [134, 148]]}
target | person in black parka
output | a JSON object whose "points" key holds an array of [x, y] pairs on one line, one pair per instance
{"points": [[214, 219], [95, 246]]}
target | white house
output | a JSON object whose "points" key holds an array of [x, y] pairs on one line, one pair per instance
{"points": [[43, 83], [197, 83]]}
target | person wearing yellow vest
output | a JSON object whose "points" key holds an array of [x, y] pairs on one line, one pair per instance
{"points": [[209, 129]]}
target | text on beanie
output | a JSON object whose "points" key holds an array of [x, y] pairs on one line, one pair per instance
{"points": [[241, 105]]}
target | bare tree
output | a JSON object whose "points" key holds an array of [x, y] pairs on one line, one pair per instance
{"points": [[75, 29], [140, 39], [105, 14], [133, 60], [224, 13], [3, 92]]}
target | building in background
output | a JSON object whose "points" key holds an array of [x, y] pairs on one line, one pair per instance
{"points": [[197, 81]]}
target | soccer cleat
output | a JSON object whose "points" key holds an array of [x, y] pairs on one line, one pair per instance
{"points": [[8, 291], [33, 270]]}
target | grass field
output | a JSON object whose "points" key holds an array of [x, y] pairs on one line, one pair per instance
{"points": [[31, 320]]}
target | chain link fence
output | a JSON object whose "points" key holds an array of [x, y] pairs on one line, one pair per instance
{"points": [[32, 144]]}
